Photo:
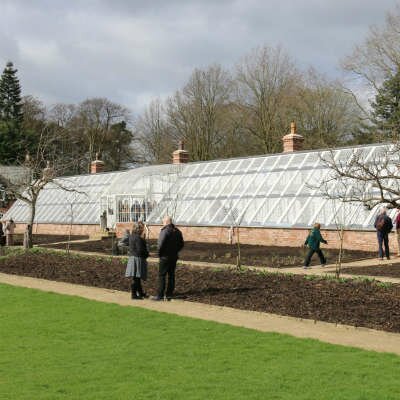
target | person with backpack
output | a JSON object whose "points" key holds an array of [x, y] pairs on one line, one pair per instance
{"points": [[170, 243], [313, 241], [383, 225]]}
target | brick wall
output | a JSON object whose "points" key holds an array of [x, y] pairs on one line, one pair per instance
{"points": [[356, 240], [359, 240], [60, 229]]}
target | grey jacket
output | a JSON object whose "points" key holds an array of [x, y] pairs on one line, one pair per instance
{"points": [[137, 246]]}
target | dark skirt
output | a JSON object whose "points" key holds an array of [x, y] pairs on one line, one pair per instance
{"points": [[136, 267]]}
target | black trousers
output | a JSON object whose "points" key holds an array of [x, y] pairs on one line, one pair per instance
{"points": [[310, 254], [166, 276], [383, 239], [136, 287]]}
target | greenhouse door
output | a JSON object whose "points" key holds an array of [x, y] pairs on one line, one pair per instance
{"points": [[108, 205]]}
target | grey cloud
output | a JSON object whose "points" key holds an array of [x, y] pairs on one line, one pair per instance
{"points": [[130, 51]]}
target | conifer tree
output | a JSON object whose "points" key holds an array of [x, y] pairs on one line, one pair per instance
{"points": [[10, 96], [12, 146], [386, 107]]}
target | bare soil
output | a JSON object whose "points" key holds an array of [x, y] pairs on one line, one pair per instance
{"points": [[352, 302], [271, 256], [390, 270], [40, 239]]}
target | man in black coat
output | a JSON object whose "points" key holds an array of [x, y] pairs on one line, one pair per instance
{"points": [[170, 243], [383, 225]]}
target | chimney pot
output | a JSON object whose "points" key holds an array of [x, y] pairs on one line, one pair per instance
{"points": [[97, 165], [292, 141], [48, 172], [180, 156]]}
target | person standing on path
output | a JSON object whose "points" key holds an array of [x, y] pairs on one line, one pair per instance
{"points": [[137, 260], [10, 227], [397, 226], [170, 243], [313, 241], [383, 225]]}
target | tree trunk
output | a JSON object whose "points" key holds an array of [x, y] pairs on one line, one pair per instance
{"points": [[28, 236], [70, 228], [239, 257], [338, 269]]}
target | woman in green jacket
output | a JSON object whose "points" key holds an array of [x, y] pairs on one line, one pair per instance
{"points": [[313, 241]]}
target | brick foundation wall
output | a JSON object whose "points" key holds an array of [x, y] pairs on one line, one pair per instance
{"points": [[60, 229], [353, 240]]}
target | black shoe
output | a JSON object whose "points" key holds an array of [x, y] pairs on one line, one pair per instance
{"points": [[156, 298]]}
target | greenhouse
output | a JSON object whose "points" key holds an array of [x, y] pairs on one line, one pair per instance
{"points": [[268, 191]]}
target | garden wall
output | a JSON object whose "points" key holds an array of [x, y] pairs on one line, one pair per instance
{"points": [[61, 229], [355, 240]]}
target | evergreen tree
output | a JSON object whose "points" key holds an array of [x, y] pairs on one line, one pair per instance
{"points": [[12, 139], [10, 96], [386, 108]]}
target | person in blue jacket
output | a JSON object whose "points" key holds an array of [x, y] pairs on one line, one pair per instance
{"points": [[313, 241]]}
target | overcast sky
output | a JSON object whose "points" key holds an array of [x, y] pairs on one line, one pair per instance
{"points": [[131, 51]]}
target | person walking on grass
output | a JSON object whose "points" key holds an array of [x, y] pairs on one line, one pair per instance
{"points": [[137, 260], [313, 241], [383, 225], [170, 243]]}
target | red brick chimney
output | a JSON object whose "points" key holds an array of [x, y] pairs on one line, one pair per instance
{"points": [[292, 141], [48, 172], [181, 155], [97, 165]]}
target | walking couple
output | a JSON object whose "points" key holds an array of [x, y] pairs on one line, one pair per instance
{"points": [[170, 242]]}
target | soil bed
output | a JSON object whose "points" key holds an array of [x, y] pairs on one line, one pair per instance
{"points": [[353, 302], [392, 270], [40, 239], [271, 256]]}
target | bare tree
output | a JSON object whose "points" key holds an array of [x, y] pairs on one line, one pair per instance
{"points": [[62, 114], [376, 59], [235, 217], [364, 176], [267, 85], [153, 134], [39, 172], [325, 114], [195, 113], [94, 119]]}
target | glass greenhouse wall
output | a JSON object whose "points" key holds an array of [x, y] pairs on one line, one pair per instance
{"points": [[267, 191], [79, 204], [125, 196]]}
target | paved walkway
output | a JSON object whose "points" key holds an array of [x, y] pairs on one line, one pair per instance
{"points": [[363, 338]]}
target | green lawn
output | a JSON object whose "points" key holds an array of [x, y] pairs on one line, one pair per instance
{"points": [[60, 347]]}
